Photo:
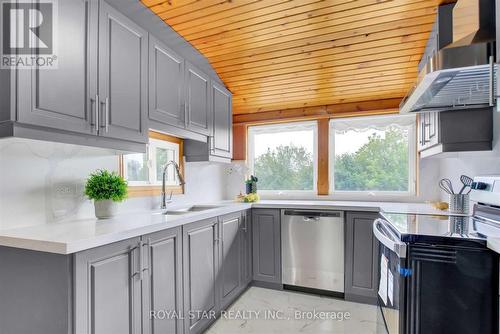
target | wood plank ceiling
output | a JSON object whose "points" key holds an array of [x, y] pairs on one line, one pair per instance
{"points": [[293, 54]]}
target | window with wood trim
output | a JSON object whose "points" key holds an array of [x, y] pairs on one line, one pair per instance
{"points": [[284, 157], [373, 156], [144, 171]]}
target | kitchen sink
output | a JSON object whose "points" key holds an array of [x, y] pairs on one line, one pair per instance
{"points": [[189, 209]]}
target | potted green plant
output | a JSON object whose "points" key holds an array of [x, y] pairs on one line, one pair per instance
{"points": [[105, 188]]}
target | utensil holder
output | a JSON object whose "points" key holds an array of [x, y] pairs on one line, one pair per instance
{"points": [[459, 203]]}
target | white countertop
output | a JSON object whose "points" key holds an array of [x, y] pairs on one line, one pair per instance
{"points": [[389, 207], [74, 236]]}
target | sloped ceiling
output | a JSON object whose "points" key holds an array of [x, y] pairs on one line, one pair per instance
{"points": [[289, 54]]}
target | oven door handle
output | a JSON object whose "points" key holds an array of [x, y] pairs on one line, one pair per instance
{"points": [[387, 239]]}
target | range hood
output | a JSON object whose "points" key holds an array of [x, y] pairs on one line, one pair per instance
{"points": [[462, 74], [454, 78]]}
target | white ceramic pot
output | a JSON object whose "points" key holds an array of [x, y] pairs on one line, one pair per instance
{"points": [[105, 209]]}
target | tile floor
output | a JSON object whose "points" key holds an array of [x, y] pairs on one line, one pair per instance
{"points": [[264, 311]]}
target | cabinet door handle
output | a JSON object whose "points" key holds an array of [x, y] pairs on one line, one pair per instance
{"points": [[141, 265], [106, 115], [96, 114], [150, 254], [131, 254], [245, 227], [212, 144]]}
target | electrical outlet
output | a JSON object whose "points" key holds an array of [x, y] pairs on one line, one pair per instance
{"points": [[64, 190]]}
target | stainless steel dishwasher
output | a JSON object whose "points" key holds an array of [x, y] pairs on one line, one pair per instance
{"points": [[312, 246]]}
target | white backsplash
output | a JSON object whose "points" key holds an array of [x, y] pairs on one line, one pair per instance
{"points": [[42, 182]]}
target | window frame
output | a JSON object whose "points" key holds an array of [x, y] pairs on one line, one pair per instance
{"points": [[142, 189], [370, 194], [283, 127]]}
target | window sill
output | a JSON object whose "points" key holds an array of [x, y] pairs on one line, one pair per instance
{"points": [[150, 191]]}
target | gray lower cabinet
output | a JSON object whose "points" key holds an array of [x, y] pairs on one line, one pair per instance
{"points": [[123, 76], [201, 265], [108, 289], [230, 257], [361, 258], [35, 292], [64, 98], [172, 281], [163, 291], [266, 228], [166, 85], [199, 113]]}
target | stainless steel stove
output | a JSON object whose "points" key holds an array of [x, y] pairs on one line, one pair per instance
{"points": [[436, 273]]}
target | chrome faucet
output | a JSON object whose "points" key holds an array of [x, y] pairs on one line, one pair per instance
{"points": [[164, 200]]}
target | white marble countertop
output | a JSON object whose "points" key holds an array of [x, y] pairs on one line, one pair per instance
{"points": [[389, 207], [74, 236]]}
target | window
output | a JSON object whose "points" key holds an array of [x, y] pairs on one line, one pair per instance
{"points": [[283, 156], [373, 155], [144, 171]]}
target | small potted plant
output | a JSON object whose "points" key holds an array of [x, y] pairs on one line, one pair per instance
{"points": [[105, 188]]}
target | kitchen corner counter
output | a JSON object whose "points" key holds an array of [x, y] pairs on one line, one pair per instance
{"points": [[75, 236]]}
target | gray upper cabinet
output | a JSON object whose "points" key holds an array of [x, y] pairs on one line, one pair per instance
{"points": [[163, 290], [266, 228], [201, 265], [115, 81], [123, 76], [108, 289], [361, 258], [64, 98], [221, 138], [166, 88], [455, 131], [230, 257], [199, 113]]}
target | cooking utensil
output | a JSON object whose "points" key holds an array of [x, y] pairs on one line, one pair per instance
{"points": [[447, 186], [466, 181]]}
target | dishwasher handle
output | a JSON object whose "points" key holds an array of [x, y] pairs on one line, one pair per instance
{"points": [[313, 214]]}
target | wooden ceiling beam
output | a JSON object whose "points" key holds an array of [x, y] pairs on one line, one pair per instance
{"points": [[363, 96], [383, 106]]}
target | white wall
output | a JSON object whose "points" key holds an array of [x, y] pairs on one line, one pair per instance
{"points": [[42, 182], [472, 163]]}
